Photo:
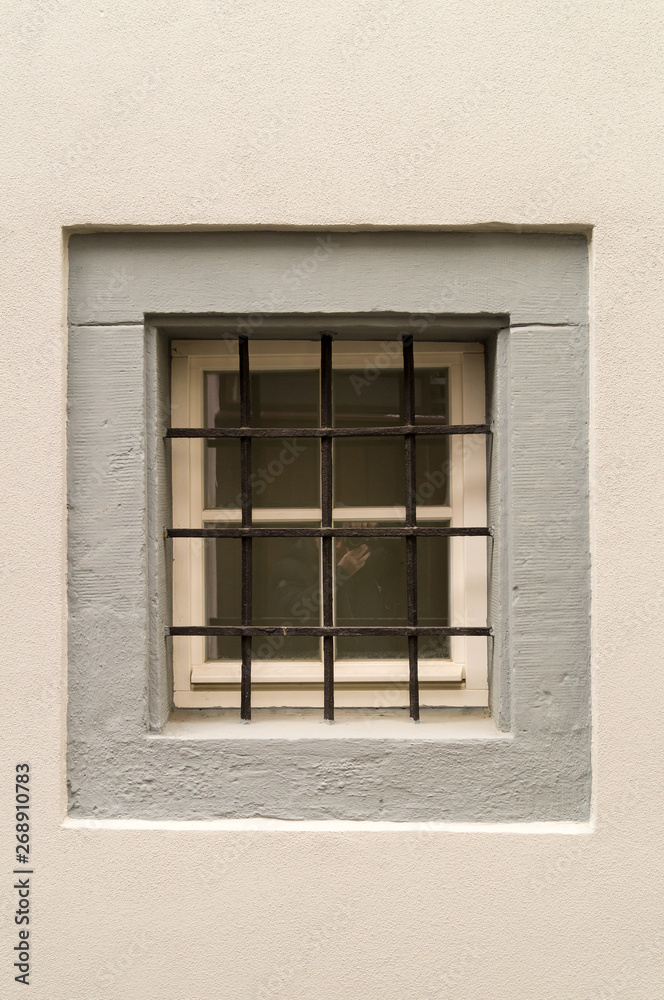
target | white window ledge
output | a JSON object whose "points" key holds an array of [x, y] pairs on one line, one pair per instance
{"points": [[389, 724]]}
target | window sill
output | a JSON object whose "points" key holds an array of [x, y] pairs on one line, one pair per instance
{"points": [[310, 672], [305, 724]]}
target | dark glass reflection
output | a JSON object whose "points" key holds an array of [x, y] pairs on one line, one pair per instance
{"points": [[370, 472], [285, 472], [222, 458], [433, 589], [432, 454], [370, 590], [223, 574], [364, 648], [286, 591]]}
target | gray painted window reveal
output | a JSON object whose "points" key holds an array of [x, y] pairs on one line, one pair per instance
{"points": [[526, 297]]}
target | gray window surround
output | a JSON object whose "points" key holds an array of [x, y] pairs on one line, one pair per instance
{"points": [[526, 297]]}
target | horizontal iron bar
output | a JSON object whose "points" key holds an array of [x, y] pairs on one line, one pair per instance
{"points": [[318, 432], [388, 532], [318, 630]]}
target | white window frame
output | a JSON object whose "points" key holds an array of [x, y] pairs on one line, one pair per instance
{"points": [[459, 681]]}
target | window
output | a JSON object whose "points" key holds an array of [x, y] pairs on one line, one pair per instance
{"points": [[329, 524], [524, 296]]}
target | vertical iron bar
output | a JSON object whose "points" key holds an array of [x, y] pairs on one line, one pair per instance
{"points": [[327, 544], [411, 521], [245, 480]]}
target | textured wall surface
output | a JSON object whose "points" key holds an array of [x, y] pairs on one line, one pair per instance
{"points": [[350, 115]]}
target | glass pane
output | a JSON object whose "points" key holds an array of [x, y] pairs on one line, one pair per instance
{"points": [[433, 455], [432, 465], [431, 396], [285, 471], [363, 402], [370, 589], [371, 471], [223, 575], [222, 458], [222, 399], [285, 399], [364, 648], [222, 474], [278, 399], [433, 587], [368, 472], [286, 591]]}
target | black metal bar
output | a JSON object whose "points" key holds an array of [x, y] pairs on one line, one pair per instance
{"points": [[336, 532], [320, 432], [326, 522], [413, 679], [323, 630], [409, 414], [245, 479], [411, 517], [328, 678]]}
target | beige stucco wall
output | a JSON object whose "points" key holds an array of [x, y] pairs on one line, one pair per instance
{"points": [[352, 115]]}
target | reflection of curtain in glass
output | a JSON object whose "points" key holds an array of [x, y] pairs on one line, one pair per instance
{"points": [[211, 403], [222, 408]]}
